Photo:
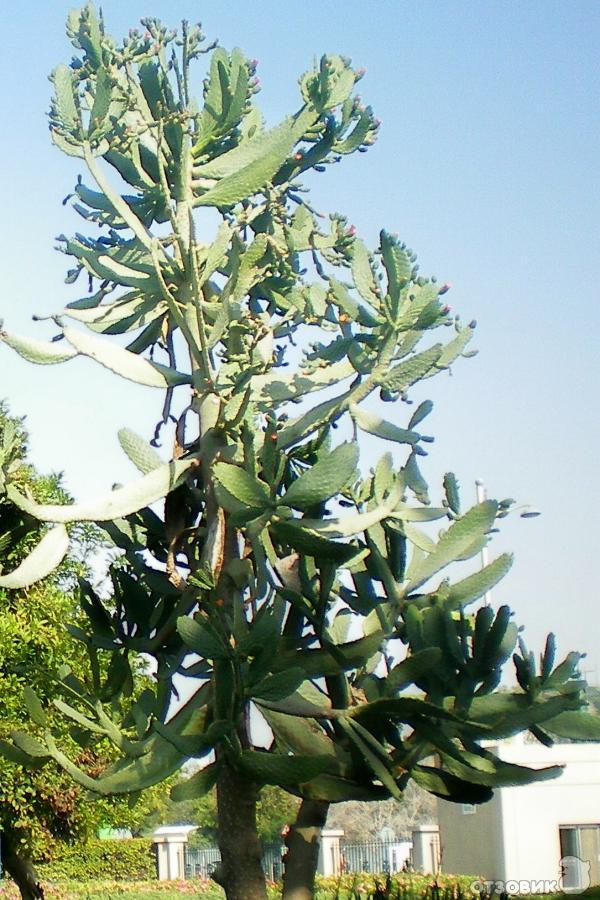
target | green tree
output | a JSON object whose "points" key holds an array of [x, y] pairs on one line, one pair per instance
{"points": [[41, 809], [36, 809], [275, 574], [276, 811]]}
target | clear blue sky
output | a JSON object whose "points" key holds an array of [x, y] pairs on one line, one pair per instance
{"points": [[487, 165]]}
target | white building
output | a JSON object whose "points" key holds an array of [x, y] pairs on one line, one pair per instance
{"points": [[523, 833]]}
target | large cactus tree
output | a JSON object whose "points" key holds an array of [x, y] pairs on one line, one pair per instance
{"points": [[260, 564]]}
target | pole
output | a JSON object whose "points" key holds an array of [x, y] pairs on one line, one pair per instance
{"points": [[481, 497]]}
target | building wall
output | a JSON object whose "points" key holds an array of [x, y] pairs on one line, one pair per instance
{"points": [[516, 835], [471, 843], [532, 815]]}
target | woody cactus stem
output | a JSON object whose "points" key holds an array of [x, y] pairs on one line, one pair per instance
{"points": [[303, 844], [276, 577], [240, 871]]}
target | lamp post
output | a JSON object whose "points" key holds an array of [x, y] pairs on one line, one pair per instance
{"points": [[525, 512], [481, 496]]}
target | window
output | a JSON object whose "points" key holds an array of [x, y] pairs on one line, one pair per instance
{"points": [[468, 809], [581, 844]]}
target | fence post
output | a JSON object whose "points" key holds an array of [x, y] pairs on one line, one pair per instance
{"points": [[170, 843], [426, 849], [329, 851]]}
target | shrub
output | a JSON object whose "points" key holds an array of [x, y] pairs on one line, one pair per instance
{"points": [[120, 860]]}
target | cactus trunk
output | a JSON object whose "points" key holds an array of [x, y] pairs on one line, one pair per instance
{"points": [[303, 843], [240, 872]]}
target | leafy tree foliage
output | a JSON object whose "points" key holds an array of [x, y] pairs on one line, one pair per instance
{"points": [[260, 562], [40, 809], [276, 811], [35, 808]]}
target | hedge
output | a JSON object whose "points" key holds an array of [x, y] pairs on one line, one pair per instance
{"points": [[119, 860]]}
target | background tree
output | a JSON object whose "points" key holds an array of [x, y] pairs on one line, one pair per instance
{"points": [[36, 808], [275, 575], [276, 811], [364, 821], [39, 810]]}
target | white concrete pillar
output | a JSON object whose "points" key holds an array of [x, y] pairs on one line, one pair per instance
{"points": [[170, 851], [329, 851], [426, 849]]}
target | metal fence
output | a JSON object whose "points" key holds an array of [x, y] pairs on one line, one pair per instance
{"points": [[200, 862], [379, 857], [272, 861]]}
